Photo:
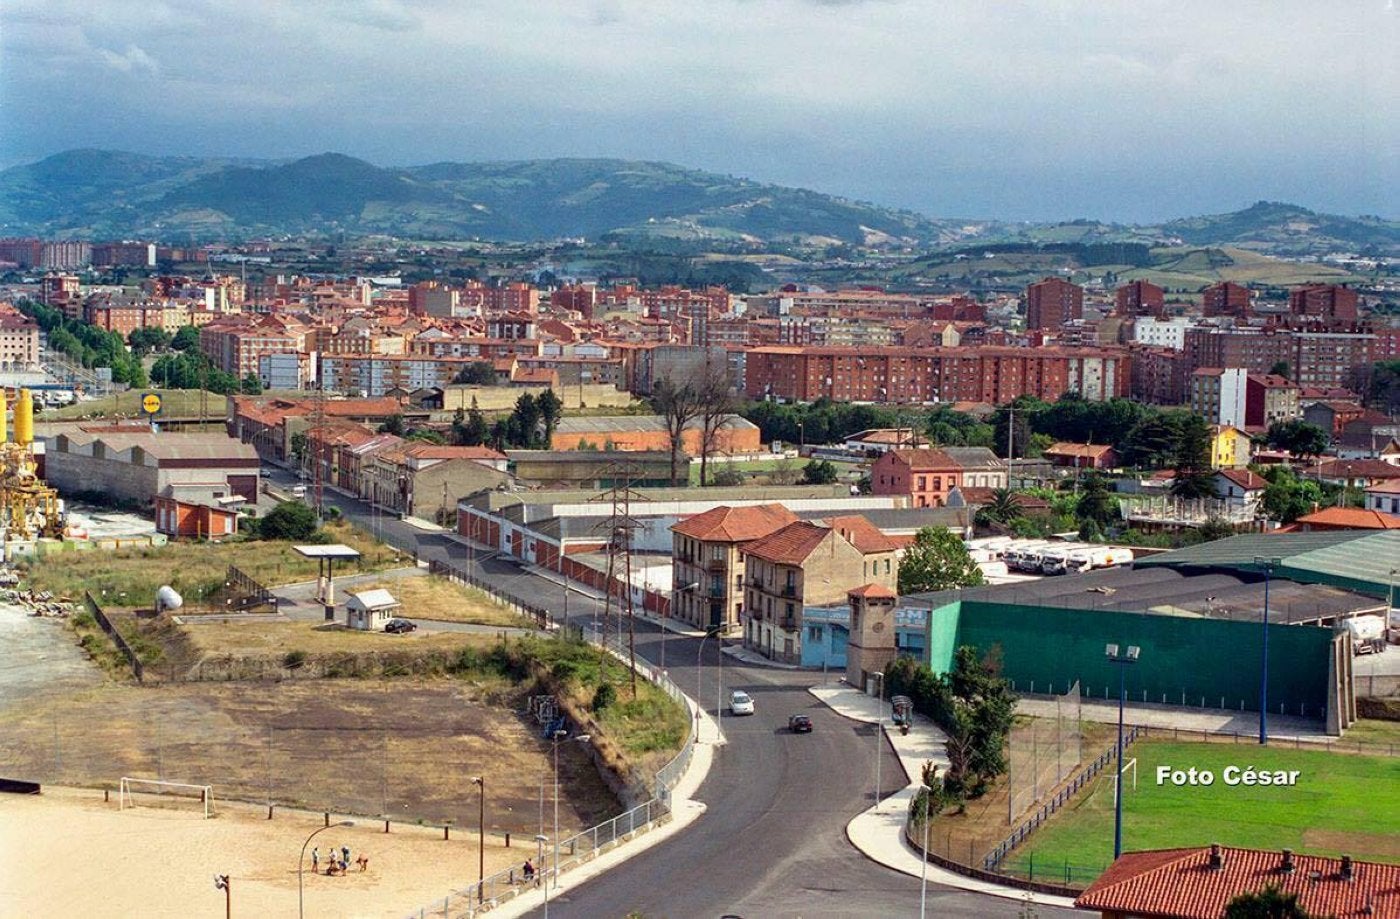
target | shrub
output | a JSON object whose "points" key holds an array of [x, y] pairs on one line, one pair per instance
{"points": [[605, 696], [292, 660]]}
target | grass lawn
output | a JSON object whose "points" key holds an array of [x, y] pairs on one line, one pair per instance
{"points": [[1373, 731], [195, 569], [175, 403], [275, 638], [755, 468], [1341, 804], [432, 597]]}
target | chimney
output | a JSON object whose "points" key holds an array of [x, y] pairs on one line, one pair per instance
{"points": [[1348, 871], [1287, 866], [1217, 857]]}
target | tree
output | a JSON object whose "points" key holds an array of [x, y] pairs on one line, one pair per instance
{"points": [[1287, 497], [525, 420], [1096, 503], [1215, 528], [298, 447], [818, 472], [728, 476], [290, 520], [1151, 442], [476, 431], [1269, 903], [551, 409], [393, 425], [678, 407], [1194, 477], [1002, 509], [186, 337], [1015, 418], [145, 340], [1281, 369], [716, 402], [251, 385], [938, 560], [477, 373], [1298, 437]]}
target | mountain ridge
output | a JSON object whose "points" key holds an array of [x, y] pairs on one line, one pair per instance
{"points": [[95, 193]]}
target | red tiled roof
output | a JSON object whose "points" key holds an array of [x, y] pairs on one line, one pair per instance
{"points": [[861, 533], [1181, 883], [927, 460], [877, 591], [789, 546], [1363, 468], [735, 524], [1088, 451], [1351, 518], [1244, 478], [1388, 487]]}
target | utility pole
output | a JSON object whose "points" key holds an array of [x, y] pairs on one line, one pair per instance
{"points": [[620, 526]]}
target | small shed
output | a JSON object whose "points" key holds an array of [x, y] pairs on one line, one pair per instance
{"points": [[370, 609]]}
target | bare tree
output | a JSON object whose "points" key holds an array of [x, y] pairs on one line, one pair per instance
{"points": [[678, 406], [717, 402]]}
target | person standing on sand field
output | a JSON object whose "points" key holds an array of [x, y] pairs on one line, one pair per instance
{"points": [[345, 856], [315, 859]]}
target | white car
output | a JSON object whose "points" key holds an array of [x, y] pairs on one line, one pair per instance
{"points": [[740, 703]]}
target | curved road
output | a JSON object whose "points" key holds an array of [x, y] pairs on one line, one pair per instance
{"points": [[772, 841]]}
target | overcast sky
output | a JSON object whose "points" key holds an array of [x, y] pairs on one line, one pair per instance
{"points": [[1130, 110]]}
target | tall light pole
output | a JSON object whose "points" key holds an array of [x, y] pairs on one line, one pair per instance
{"points": [[301, 898], [678, 591], [1268, 564], [540, 840], [221, 883], [923, 869], [480, 782], [1122, 660], [879, 728]]}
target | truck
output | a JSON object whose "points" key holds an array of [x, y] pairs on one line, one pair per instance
{"points": [[1367, 634], [1053, 560], [1097, 557], [1025, 557]]}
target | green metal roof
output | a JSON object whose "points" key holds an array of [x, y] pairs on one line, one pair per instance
{"points": [[1357, 560]]}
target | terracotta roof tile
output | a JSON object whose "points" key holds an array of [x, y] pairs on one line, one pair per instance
{"points": [[1244, 478], [735, 524], [789, 546], [1352, 518], [1064, 448], [925, 460], [877, 591], [861, 533], [1181, 883]]}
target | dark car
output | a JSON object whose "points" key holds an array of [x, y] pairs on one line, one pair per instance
{"points": [[800, 724], [395, 626]]}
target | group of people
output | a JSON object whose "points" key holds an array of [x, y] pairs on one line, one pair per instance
{"points": [[336, 862]]}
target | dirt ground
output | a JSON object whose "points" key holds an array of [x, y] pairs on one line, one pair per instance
{"points": [[66, 853], [364, 747], [432, 597]]}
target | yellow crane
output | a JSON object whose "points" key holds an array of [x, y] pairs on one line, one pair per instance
{"points": [[28, 507]]}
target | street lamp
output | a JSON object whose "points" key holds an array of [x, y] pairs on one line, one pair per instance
{"points": [[1268, 564], [560, 735], [879, 728], [301, 900], [540, 840], [923, 870], [480, 782], [1122, 660], [678, 591], [699, 672]]}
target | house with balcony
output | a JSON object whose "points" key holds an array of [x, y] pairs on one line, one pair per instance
{"points": [[807, 564], [708, 566]]}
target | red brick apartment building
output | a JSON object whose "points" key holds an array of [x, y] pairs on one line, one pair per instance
{"points": [[1053, 302], [914, 375], [1225, 299], [1324, 301], [1140, 298]]}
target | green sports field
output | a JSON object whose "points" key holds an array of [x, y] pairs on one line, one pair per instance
{"points": [[1341, 804]]}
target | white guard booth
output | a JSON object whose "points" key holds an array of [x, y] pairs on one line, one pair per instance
{"points": [[370, 609]]}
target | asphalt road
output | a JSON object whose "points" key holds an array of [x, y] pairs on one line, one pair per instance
{"points": [[772, 842]]}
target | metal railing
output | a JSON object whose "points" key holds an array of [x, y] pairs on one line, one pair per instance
{"points": [[453, 573], [107, 626], [471, 899]]}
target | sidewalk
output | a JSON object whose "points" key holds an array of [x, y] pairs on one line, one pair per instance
{"points": [[685, 810], [879, 832]]}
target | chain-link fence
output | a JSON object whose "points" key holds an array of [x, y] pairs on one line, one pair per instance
{"points": [[1042, 752]]}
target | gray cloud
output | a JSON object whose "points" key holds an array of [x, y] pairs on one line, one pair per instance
{"points": [[1019, 109]]}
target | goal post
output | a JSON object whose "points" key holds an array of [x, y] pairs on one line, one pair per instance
{"points": [[1128, 765], [131, 787]]}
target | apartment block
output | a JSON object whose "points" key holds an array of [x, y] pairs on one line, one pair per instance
{"points": [[1053, 302], [1225, 299], [708, 561], [1140, 298]]}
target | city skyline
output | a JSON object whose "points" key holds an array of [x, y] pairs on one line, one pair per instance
{"points": [[1135, 113]]}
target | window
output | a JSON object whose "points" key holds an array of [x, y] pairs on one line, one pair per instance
{"points": [[887, 566]]}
